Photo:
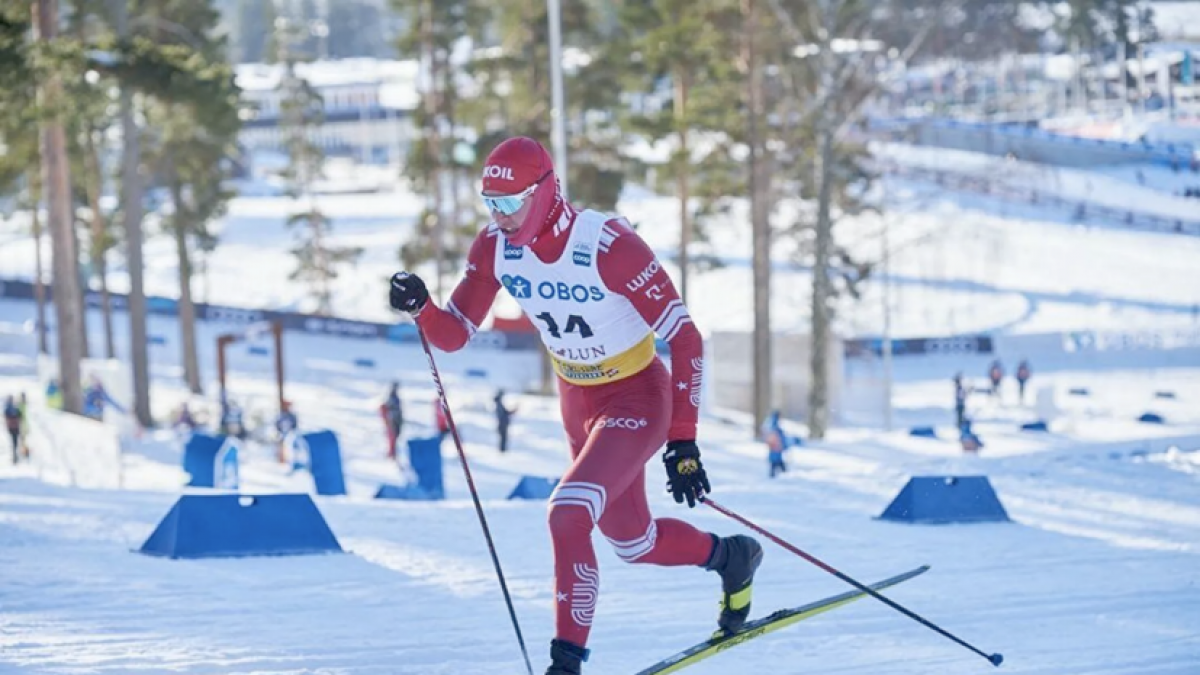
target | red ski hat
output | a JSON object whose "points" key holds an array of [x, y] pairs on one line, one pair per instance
{"points": [[514, 166]]}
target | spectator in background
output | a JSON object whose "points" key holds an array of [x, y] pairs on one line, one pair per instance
{"points": [[232, 423], [996, 376], [773, 435], [23, 407], [503, 418], [1023, 375], [12, 422], [961, 392], [439, 419], [95, 398], [393, 417], [53, 395], [185, 419], [284, 424]]}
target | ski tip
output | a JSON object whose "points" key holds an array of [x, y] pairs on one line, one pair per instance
{"points": [[996, 659], [924, 568]]}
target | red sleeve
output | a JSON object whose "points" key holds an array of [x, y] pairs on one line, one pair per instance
{"points": [[631, 269], [449, 329]]}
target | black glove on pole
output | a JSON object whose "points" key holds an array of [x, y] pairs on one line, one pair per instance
{"points": [[685, 474], [408, 293]]}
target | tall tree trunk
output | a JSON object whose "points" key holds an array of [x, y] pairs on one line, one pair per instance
{"points": [[432, 134], [84, 287], [187, 309], [58, 202], [456, 203], [822, 294], [682, 186], [39, 289], [131, 198], [99, 239], [760, 226]]}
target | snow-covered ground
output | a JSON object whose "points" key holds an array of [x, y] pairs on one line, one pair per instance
{"points": [[1098, 574], [1110, 188]]}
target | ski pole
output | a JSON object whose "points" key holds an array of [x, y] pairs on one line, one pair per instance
{"points": [[487, 534], [995, 659]]}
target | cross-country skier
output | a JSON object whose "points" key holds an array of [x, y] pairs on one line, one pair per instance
{"points": [[598, 295]]}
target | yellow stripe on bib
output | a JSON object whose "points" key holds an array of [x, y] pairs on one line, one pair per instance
{"points": [[628, 363]]}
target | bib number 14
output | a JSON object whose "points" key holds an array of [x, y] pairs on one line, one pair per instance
{"points": [[575, 324]]}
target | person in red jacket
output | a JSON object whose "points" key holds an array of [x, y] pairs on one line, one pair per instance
{"points": [[598, 296], [439, 419]]}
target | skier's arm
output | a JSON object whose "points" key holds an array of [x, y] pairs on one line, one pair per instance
{"points": [[449, 329], [631, 269], [109, 399]]}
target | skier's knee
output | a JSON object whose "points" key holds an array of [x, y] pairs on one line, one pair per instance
{"points": [[638, 548], [568, 519], [576, 507]]}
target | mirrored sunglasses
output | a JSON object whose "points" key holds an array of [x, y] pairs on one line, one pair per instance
{"points": [[510, 204]]}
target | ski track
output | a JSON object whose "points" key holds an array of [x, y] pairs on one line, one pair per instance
{"points": [[1097, 575]]}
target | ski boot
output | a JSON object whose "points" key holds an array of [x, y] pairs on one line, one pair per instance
{"points": [[566, 658], [736, 559]]}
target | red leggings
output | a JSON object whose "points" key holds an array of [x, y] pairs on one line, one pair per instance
{"points": [[614, 429]]}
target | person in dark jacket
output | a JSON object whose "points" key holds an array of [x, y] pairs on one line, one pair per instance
{"points": [[503, 419], [232, 423], [1023, 375], [996, 376], [961, 392], [12, 422], [393, 417]]}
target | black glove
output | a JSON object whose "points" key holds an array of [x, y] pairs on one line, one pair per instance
{"points": [[408, 293], [685, 474]]}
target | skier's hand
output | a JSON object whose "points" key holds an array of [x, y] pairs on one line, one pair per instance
{"points": [[685, 474], [408, 293]]}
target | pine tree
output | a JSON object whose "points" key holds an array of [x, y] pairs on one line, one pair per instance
{"points": [[447, 224], [301, 110], [682, 45], [190, 143], [514, 99], [826, 92], [20, 155], [56, 182]]}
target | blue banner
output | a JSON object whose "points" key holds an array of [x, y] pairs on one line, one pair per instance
{"points": [[962, 344], [291, 321]]}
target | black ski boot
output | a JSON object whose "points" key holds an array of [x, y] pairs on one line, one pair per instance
{"points": [[566, 658], [736, 559]]}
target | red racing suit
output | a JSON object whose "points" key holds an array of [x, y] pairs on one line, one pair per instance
{"points": [[597, 308]]}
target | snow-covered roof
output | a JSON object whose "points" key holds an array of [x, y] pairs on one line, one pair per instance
{"points": [[253, 77]]}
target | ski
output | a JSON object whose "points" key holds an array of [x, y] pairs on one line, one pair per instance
{"points": [[768, 624]]}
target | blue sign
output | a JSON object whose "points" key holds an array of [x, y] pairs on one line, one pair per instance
{"points": [[513, 252]]}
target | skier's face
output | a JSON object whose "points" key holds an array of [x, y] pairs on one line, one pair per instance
{"points": [[510, 223]]}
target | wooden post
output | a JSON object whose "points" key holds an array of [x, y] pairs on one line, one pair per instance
{"points": [[277, 332], [222, 342]]}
